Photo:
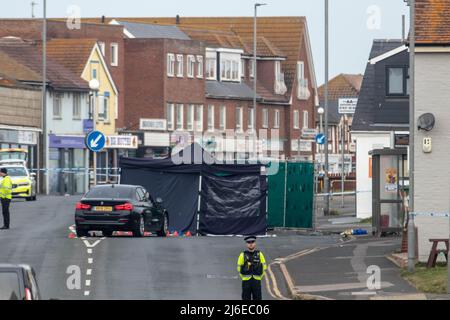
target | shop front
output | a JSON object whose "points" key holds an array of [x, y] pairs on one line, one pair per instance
{"points": [[67, 165]]}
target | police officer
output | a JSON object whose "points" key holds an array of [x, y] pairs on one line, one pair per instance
{"points": [[5, 196], [251, 266]]}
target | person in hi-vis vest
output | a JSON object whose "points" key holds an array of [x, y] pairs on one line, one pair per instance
{"points": [[251, 266], [5, 196]]}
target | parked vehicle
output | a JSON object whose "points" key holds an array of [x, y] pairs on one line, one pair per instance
{"points": [[18, 282], [24, 182], [109, 208]]}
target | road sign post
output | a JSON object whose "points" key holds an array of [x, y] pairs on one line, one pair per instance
{"points": [[95, 141]]}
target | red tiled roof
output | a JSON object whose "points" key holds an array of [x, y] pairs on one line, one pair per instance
{"points": [[342, 86], [433, 22], [29, 57], [71, 53]]}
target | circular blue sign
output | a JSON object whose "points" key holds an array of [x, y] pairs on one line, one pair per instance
{"points": [[95, 141], [320, 138]]}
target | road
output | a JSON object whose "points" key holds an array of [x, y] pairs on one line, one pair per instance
{"points": [[197, 268]]}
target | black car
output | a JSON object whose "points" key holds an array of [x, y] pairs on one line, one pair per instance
{"points": [[109, 208], [18, 282]]}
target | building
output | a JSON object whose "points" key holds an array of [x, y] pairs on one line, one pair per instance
{"points": [[381, 118], [84, 57], [343, 89], [20, 115], [431, 169], [67, 105], [286, 88]]}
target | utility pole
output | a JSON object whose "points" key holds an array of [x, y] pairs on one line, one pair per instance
{"points": [[255, 118], [44, 97], [33, 4], [327, 196], [411, 226]]}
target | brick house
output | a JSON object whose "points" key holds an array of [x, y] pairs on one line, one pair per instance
{"points": [[281, 61], [343, 86]]}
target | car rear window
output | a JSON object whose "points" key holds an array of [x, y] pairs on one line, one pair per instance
{"points": [[9, 286], [111, 193]]}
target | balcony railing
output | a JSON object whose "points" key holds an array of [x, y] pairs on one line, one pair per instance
{"points": [[303, 92], [280, 86]]}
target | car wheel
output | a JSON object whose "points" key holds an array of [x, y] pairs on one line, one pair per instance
{"points": [[82, 232], [107, 233], [139, 228], [165, 226]]}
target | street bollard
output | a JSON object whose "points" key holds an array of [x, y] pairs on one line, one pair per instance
{"points": [[411, 243]]}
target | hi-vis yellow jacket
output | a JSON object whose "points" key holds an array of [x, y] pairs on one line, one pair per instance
{"points": [[6, 188], [247, 270]]}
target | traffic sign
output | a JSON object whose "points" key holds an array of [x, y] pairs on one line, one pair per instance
{"points": [[320, 138], [95, 141]]}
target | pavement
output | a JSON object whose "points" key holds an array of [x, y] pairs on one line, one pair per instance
{"points": [[183, 268]]}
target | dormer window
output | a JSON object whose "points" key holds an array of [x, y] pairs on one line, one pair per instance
{"points": [[211, 65], [229, 65], [397, 83], [252, 68], [280, 86]]}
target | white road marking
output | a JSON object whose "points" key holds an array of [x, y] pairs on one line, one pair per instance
{"points": [[89, 251], [364, 293], [88, 283], [90, 260], [92, 245], [338, 287], [86, 293], [89, 272]]}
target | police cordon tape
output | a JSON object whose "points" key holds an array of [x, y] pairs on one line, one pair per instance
{"points": [[430, 214], [73, 169]]}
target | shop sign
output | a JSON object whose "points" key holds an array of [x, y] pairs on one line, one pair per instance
{"points": [[121, 142], [70, 142], [153, 124]]}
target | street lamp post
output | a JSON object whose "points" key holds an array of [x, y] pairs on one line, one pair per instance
{"points": [[255, 118], [327, 196], [44, 100], [320, 111]]}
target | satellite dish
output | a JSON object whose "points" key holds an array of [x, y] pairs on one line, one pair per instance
{"points": [[426, 122]]}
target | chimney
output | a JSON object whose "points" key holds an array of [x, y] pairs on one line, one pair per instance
{"points": [[177, 19], [103, 19]]}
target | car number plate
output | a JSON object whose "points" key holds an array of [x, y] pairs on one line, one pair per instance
{"points": [[103, 209]]}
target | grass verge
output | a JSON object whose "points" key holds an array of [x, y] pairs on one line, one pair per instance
{"points": [[433, 280]]}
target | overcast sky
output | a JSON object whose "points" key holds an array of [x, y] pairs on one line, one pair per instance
{"points": [[353, 23]]}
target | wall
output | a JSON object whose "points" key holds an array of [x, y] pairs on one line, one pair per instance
{"points": [[20, 107], [366, 142], [432, 170]]}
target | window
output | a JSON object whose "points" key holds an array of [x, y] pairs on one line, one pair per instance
{"points": [[296, 119], [211, 66], [94, 73], [210, 118], [305, 119], [190, 117], [300, 71], [190, 66], [114, 54], [229, 70], [397, 81], [57, 101], [169, 116], [251, 119], [101, 45], [252, 68], [179, 115], [276, 119], [265, 118], [239, 118], [76, 112], [199, 66], [223, 118], [103, 110], [180, 65], [199, 118], [235, 70], [170, 64], [242, 68]]}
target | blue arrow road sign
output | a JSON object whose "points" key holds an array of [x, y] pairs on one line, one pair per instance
{"points": [[320, 138], [95, 141]]}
